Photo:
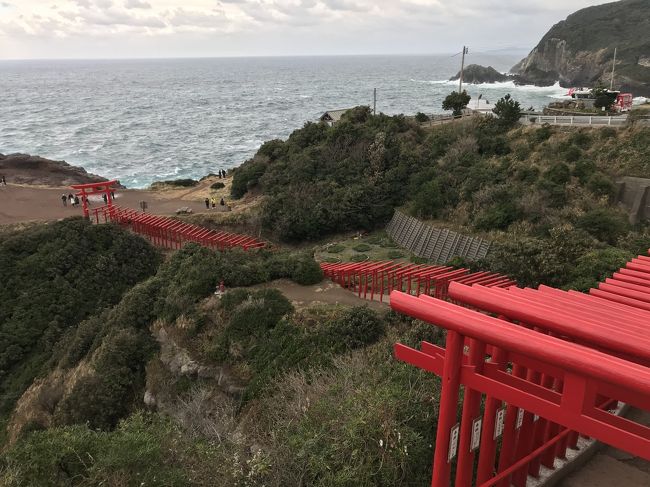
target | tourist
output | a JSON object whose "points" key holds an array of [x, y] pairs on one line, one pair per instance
{"points": [[222, 202], [224, 174], [105, 198], [64, 198], [4, 181], [207, 203], [219, 173], [71, 198], [214, 203], [76, 200], [112, 195]]}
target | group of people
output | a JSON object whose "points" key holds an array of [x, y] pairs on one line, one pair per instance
{"points": [[222, 174], [213, 202], [73, 198], [75, 201]]}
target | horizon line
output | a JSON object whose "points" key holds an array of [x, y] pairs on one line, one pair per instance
{"points": [[250, 56]]}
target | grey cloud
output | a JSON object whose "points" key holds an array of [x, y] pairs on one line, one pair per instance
{"points": [[115, 17], [137, 4], [189, 18], [345, 6]]}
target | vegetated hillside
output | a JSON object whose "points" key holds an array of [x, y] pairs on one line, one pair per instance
{"points": [[54, 276], [579, 51], [545, 195], [247, 390]]}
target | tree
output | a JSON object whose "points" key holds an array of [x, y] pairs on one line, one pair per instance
{"points": [[456, 101], [508, 111]]}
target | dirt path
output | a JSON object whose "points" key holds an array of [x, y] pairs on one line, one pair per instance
{"points": [[22, 203], [325, 292]]}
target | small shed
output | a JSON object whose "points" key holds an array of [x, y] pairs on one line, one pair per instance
{"points": [[332, 116]]}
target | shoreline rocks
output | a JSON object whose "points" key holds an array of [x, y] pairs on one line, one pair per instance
{"points": [[35, 170]]}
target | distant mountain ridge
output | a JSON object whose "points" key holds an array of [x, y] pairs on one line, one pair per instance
{"points": [[579, 51]]}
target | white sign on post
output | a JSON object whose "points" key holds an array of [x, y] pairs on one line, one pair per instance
{"points": [[520, 418], [453, 442], [477, 424], [498, 422]]}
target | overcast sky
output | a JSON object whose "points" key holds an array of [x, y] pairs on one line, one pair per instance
{"points": [[199, 28]]}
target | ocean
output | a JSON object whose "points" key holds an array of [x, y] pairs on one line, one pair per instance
{"points": [[145, 120]]}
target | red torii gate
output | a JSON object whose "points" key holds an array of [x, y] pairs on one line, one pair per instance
{"points": [[570, 359], [104, 187]]}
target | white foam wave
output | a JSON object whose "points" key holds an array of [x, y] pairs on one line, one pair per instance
{"points": [[640, 100]]}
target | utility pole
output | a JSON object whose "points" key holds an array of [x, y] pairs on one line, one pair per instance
{"points": [[462, 67], [374, 105], [611, 84]]}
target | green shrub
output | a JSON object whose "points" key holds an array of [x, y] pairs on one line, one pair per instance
{"points": [[583, 169], [307, 272], [359, 258], [559, 173], [581, 138], [601, 185], [335, 249], [421, 117], [138, 449], [596, 265], [217, 185], [542, 134], [356, 327], [572, 153], [395, 254], [180, 183], [508, 111], [607, 133], [604, 224], [528, 174], [246, 176], [362, 247], [429, 200]]}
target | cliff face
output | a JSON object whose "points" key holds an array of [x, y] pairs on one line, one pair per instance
{"points": [[579, 51]]}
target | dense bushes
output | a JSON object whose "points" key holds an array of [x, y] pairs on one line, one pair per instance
{"points": [[138, 451], [54, 276]]}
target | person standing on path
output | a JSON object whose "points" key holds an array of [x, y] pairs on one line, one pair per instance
{"points": [[71, 198], [4, 181], [207, 203], [64, 198], [222, 202], [214, 203], [105, 198]]}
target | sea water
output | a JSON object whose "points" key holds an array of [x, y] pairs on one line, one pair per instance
{"points": [[144, 120]]}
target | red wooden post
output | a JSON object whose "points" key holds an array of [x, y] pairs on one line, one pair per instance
{"points": [[448, 404], [471, 410]]}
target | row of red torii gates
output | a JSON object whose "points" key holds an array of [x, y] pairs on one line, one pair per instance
{"points": [[540, 368], [160, 230]]}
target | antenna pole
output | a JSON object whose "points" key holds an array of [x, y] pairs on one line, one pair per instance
{"points": [[462, 67], [374, 104], [611, 84]]}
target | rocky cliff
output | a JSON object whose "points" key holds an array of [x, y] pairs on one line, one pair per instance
{"points": [[26, 169], [475, 73], [579, 51]]}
